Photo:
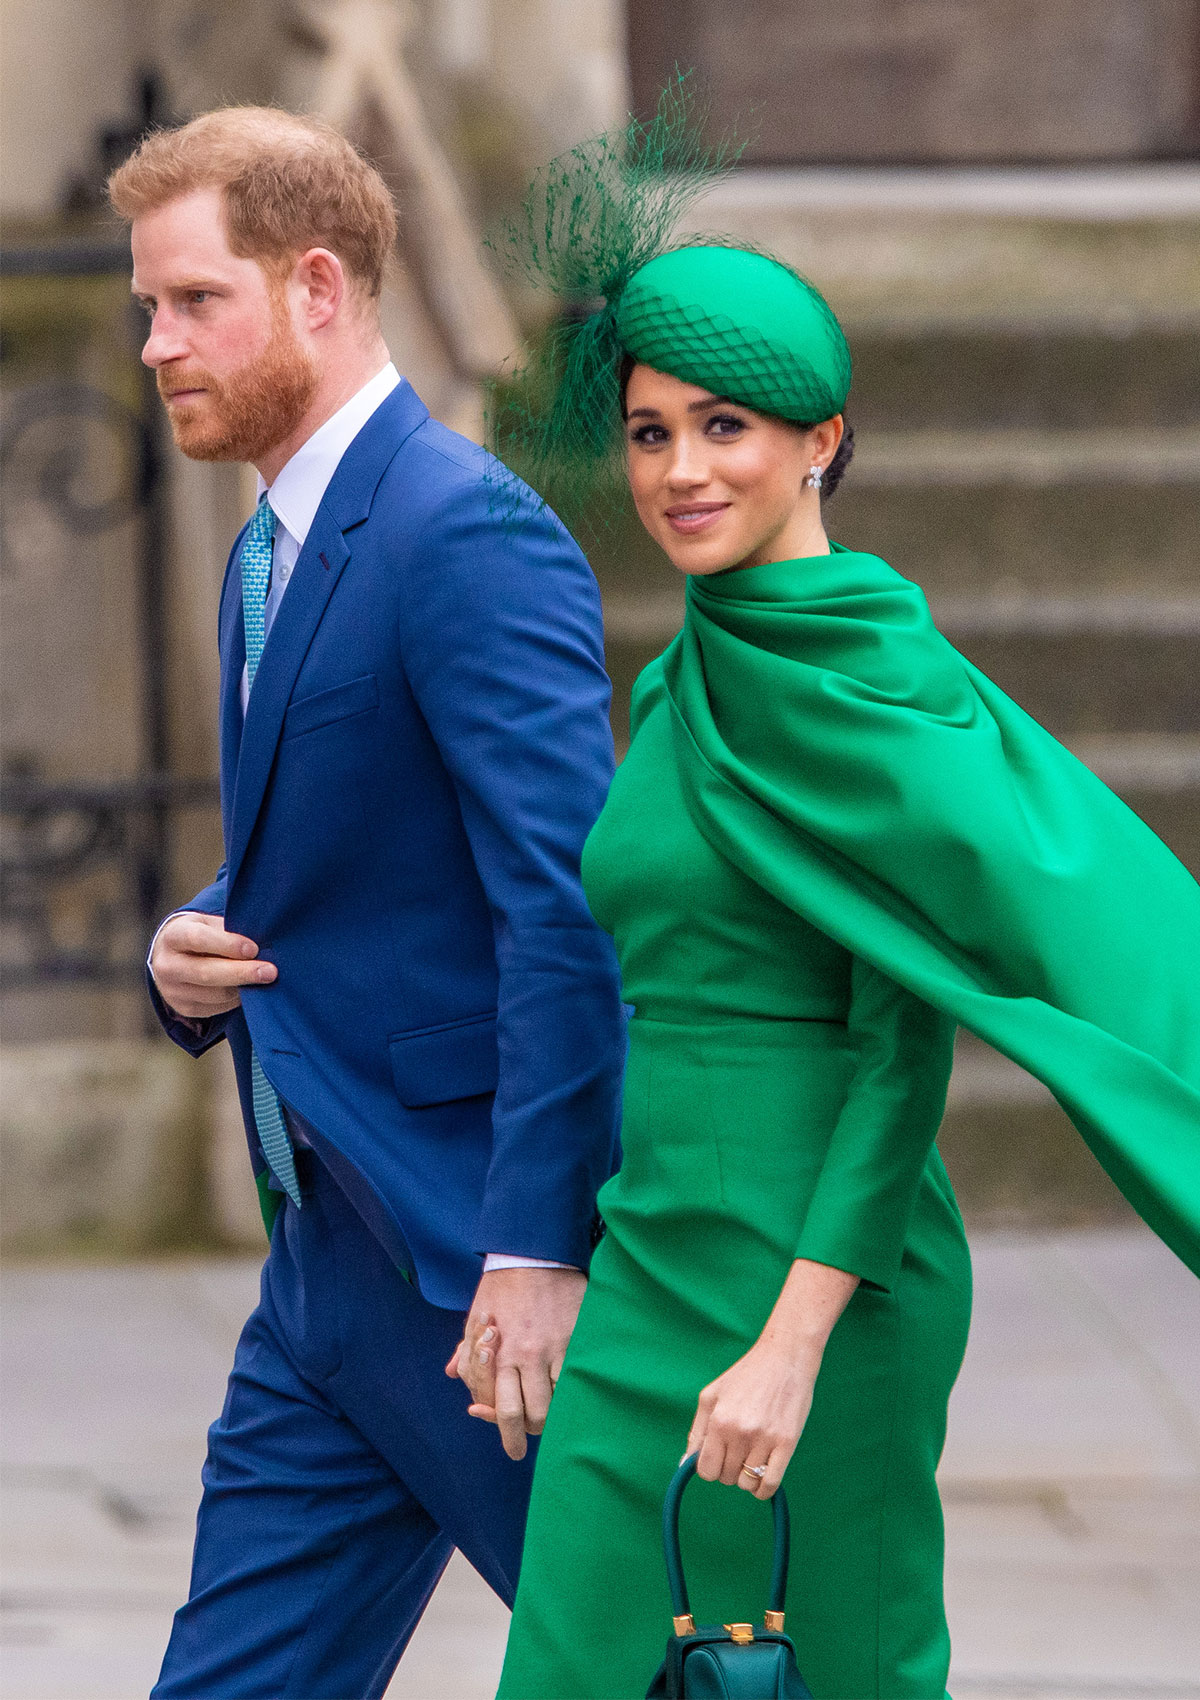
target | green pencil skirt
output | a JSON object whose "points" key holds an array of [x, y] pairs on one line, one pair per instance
{"points": [[724, 1130]]}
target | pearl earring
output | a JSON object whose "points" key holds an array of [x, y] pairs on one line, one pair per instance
{"points": [[815, 475]]}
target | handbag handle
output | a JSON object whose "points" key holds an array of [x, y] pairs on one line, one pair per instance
{"points": [[673, 1553]]}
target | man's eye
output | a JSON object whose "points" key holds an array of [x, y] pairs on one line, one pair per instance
{"points": [[198, 296]]}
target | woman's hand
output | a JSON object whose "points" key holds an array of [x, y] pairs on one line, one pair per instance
{"points": [[750, 1419], [753, 1415], [474, 1361]]}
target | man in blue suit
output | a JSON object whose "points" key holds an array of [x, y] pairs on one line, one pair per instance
{"points": [[424, 1019]]}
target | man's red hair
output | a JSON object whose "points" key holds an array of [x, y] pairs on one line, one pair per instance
{"points": [[288, 184]]}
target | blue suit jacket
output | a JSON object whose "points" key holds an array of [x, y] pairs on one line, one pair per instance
{"points": [[425, 749]]}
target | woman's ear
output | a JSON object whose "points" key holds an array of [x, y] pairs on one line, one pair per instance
{"points": [[825, 438]]}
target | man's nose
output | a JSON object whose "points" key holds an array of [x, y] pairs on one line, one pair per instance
{"points": [[165, 341]]}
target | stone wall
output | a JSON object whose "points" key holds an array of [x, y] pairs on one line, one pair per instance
{"points": [[934, 80], [66, 71], [102, 1144]]}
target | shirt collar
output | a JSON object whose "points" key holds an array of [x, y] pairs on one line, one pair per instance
{"points": [[299, 486]]}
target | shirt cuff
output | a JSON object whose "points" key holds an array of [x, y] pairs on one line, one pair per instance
{"points": [[193, 1025], [154, 941], [504, 1260]]}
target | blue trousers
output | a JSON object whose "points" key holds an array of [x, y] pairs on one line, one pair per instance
{"points": [[341, 1474]]}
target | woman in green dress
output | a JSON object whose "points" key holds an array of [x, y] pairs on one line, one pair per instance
{"points": [[831, 841]]}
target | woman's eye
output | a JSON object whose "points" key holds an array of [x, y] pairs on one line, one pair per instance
{"points": [[648, 436], [726, 425]]}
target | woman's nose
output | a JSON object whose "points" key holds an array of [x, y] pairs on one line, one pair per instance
{"points": [[687, 469]]}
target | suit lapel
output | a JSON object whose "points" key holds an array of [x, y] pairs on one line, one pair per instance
{"points": [[346, 504], [233, 660], [317, 571]]}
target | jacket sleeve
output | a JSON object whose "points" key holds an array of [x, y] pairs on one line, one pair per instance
{"points": [[859, 1212], [502, 641], [195, 1037]]}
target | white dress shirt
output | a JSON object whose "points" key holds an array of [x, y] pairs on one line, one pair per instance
{"points": [[300, 487], [295, 497]]}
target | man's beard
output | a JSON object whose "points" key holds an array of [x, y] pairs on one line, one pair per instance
{"points": [[250, 413]]}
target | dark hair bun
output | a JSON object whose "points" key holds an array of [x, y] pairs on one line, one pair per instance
{"points": [[839, 463]]}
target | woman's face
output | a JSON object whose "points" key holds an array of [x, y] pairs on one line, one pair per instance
{"points": [[717, 485]]}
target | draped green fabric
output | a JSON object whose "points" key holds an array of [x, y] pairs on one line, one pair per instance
{"points": [[839, 750]]}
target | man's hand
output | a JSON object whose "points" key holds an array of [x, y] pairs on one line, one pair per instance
{"points": [[198, 966], [512, 1373]]}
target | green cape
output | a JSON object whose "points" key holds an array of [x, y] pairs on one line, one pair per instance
{"points": [[838, 749]]}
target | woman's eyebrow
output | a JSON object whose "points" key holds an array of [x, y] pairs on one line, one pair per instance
{"points": [[693, 407]]}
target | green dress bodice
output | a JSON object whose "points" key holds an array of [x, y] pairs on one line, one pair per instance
{"points": [[696, 938]]}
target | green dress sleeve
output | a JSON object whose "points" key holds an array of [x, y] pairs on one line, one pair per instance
{"points": [[859, 1213], [838, 749]]}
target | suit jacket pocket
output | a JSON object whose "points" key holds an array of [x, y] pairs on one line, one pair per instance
{"points": [[339, 702], [437, 1064]]}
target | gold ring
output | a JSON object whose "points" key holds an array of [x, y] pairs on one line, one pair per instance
{"points": [[758, 1470]]}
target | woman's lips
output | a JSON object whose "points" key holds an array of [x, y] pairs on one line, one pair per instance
{"points": [[688, 520]]}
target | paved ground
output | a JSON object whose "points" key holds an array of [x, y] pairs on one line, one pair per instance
{"points": [[1072, 1478]]}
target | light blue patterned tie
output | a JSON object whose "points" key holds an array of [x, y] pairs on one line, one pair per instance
{"points": [[257, 554]]}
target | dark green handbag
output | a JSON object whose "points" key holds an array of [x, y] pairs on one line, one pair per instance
{"points": [[732, 1661]]}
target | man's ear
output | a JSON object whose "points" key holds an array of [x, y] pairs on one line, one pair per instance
{"points": [[321, 285]]}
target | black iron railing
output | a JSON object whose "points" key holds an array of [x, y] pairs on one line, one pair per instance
{"points": [[102, 842], [84, 863]]}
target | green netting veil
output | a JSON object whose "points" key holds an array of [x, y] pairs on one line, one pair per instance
{"points": [[596, 230], [740, 324]]}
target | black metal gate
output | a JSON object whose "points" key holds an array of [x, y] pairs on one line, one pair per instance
{"points": [[84, 866]]}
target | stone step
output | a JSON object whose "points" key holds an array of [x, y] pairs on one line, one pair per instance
{"points": [[1013, 1156], [1160, 780], [1035, 375], [1010, 537], [1028, 511], [982, 456], [947, 257], [1087, 665]]}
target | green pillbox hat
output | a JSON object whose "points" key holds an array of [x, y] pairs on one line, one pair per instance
{"points": [[740, 324]]}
